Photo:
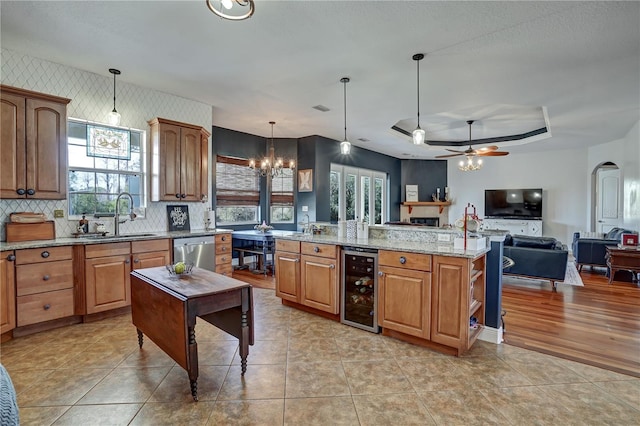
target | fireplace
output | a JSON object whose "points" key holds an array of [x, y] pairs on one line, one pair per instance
{"points": [[426, 221]]}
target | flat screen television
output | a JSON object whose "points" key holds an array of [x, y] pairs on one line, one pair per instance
{"points": [[513, 203]]}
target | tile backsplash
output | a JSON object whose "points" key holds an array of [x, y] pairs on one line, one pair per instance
{"points": [[91, 99]]}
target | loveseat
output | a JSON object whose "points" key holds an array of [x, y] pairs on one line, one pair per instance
{"points": [[536, 257], [592, 251]]}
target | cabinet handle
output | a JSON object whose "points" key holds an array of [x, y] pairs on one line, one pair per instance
{"points": [[297, 260], [183, 196], [380, 273], [46, 307], [403, 260], [177, 195], [31, 191], [11, 257], [127, 261], [316, 249], [21, 191], [44, 254], [332, 266], [224, 238], [223, 248], [136, 260], [224, 259], [46, 278]]}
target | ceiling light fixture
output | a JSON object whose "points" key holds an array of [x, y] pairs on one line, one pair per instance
{"points": [[270, 165], [225, 9], [418, 133], [472, 163], [114, 116], [345, 145]]}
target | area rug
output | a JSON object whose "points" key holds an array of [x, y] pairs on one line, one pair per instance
{"points": [[571, 277]]}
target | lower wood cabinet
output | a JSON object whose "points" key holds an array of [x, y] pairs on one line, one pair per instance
{"points": [[7, 292], [319, 277], [224, 255], [287, 263], [107, 281]]}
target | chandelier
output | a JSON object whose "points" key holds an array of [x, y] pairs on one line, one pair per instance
{"points": [[270, 165], [473, 163], [225, 9]]}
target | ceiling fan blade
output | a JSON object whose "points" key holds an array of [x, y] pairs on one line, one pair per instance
{"points": [[487, 148], [493, 154], [453, 150], [449, 155]]}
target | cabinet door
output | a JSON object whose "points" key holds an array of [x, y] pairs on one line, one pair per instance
{"points": [[288, 276], [190, 165], [319, 283], [169, 162], [404, 301], [7, 292], [13, 170], [107, 283], [450, 308], [151, 259], [46, 138]]}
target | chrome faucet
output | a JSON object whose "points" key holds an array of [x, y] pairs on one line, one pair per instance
{"points": [[132, 215]]}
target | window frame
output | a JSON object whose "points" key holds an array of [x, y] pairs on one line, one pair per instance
{"points": [[360, 174], [224, 202]]}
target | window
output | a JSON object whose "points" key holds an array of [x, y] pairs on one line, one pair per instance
{"points": [[103, 162], [357, 194], [237, 192], [282, 210]]}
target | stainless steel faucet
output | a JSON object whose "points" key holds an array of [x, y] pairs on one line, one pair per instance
{"points": [[132, 215]]}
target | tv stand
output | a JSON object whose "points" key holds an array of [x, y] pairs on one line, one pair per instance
{"points": [[531, 227]]}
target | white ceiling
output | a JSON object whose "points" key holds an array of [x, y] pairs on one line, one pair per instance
{"points": [[493, 62]]}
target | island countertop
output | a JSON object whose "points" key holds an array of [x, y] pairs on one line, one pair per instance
{"points": [[441, 249]]}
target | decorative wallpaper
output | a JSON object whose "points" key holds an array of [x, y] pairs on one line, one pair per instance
{"points": [[92, 99]]}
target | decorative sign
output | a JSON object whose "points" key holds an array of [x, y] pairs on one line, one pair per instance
{"points": [[107, 142], [305, 180], [412, 193], [178, 218]]}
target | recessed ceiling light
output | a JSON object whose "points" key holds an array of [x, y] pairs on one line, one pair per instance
{"points": [[321, 108]]}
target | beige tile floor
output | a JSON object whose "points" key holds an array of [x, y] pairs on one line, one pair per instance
{"points": [[303, 370]]}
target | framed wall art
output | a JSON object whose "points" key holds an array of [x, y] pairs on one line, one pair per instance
{"points": [[305, 180]]}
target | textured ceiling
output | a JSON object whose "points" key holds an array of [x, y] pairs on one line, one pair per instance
{"points": [[493, 62]]}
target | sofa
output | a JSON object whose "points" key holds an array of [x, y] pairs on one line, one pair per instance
{"points": [[592, 251], [536, 257]]}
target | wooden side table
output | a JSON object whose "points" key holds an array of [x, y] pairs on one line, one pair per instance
{"points": [[623, 259]]}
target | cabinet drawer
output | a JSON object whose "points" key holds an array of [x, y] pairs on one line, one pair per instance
{"points": [[150, 245], [223, 239], [226, 269], [286, 245], [46, 254], [42, 277], [104, 250], [223, 259], [401, 259], [322, 250], [40, 307], [224, 248]]}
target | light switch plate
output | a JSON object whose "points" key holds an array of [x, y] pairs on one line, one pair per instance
{"points": [[305, 208], [58, 214], [444, 237]]}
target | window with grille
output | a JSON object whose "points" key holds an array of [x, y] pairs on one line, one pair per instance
{"points": [[103, 162], [237, 192], [358, 194], [282, 210]]}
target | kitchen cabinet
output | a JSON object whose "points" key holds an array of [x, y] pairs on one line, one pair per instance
{"points": [[107, 281], [458, 295], [33, 141], [287, 265], [7, 291], [179, 161], [319, 277], [150, 253], [44, 284], [224, 254], [404, 292]]}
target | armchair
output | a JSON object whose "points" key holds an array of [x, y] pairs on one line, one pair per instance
{"points": [[592, 251]]}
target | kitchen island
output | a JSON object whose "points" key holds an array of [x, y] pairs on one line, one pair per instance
{"points": [[427, 293]]}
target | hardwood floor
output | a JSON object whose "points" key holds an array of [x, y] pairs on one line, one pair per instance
{"points": [[598, 324]]}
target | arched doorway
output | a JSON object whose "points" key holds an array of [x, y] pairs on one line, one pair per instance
{"points": [[606, 213]]}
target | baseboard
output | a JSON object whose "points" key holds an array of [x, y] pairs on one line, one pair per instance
{"points": [[491, 335]]}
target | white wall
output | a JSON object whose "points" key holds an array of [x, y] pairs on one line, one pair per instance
{"points": [[92, 99], [560, 174]]}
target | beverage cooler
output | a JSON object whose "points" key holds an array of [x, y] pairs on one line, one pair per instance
{"points": [[359, 290]]}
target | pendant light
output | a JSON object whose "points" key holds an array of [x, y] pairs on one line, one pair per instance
{"points": [[114, 116], [418, 133], [345, 145]]}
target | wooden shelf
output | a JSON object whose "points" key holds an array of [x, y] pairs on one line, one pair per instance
{"points": [[475, 305], [474, 333], [440, 204], [474, 275]]}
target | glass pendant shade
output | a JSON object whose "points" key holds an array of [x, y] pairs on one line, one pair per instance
{"points": [[114, 118], [345, 147], [418, 136]]}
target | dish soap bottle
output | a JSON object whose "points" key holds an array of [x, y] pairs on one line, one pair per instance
{"points": [[84, 225]]}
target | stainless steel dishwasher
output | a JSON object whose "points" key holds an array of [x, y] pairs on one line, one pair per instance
{"points": [[201, 251]]}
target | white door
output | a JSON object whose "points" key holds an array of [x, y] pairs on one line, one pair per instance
{"points": [[607, 208]]}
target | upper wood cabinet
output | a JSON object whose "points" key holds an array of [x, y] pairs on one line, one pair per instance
{"points": [[34, 145], [179, 161]]}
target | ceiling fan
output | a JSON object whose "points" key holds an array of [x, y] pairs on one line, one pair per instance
{"points": [[487, 151]]}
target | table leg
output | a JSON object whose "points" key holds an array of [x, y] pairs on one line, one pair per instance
{"points": [[193, 356], [140, 338], [244, 340]]}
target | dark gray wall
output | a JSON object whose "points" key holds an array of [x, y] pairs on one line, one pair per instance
{"points": [[427, 174]]}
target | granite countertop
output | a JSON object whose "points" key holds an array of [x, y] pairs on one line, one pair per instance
{"points": [[444, 249], [83, 240]]}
